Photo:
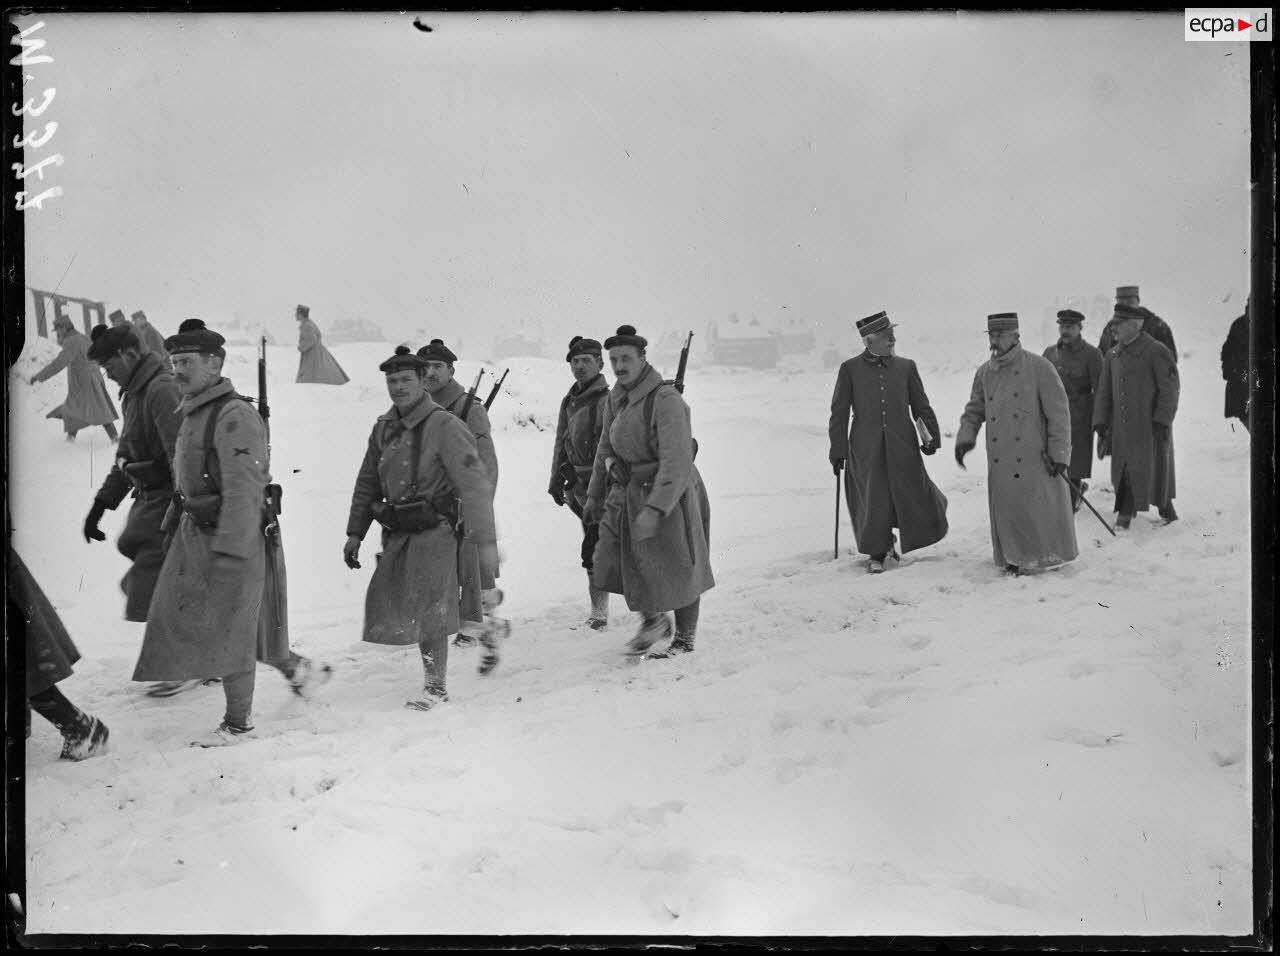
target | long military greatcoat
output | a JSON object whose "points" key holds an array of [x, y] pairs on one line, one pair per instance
{"points": [[671, 569], [316, 365], [1079, 366], [87, 400], [149, 434], [1139, 386], [578, 430], [50, 651], [1021, 399], [885, 475], [1235, 370], [413, 595], [208, 617]]}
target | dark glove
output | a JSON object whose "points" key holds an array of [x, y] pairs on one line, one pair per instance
{"points": [[91, 532], [1052, 467], [837, 465], [350, 552], [1103, 431], [930, 447], [963, 448], [1160, 430], [557, 495]]}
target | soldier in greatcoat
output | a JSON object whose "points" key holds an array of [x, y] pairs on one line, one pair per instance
{"points": [[420, 462], [647, 494], [87, 400], [51, 655], [316, 364], [150, 338], [1019, 397], [1235, 370], [480, 593], [1079, 366], [578, 428], [886, 485], [220, 605], [1133, 415], [142, 468]]}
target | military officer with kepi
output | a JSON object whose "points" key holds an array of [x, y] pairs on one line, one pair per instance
{"points": [[419, 462], [142, 471], [480, 593], [1020, 398], [885, 481], [1133, 415], [220, 604], [1079, 366], [647, 494], [578, 430]]}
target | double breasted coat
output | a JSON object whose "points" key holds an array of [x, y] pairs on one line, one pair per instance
{"points": [[149, 434], [1079, 366], [413, 595], [1021, 400], [87, 400], [578, 430], [1139, 386], [220, 603], [671, 569], [885, 481], [316, 364], [50, 651]]}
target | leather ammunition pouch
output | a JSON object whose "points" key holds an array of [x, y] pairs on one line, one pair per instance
{"points": [[412, 517], [203, 509], [149, 475]]}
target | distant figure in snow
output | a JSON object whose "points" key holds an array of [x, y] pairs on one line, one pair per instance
{"points": [[142, 468], [1020, 398], [480, 593], [1079, 366], [151, 338], [1133, 415], [87, 400], [1235, 370], [886, 484], [648, 496], [419, 463], [50, 656], [220, 605], [578, 430], [316, 365]]}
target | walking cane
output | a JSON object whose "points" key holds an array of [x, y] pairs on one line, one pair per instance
{"points": [[836, 555], [1076, 488]]}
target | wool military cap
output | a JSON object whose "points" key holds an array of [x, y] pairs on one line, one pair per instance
{"points": [[581, 346], [108, 341], [1123, 311], [874, 323], [402, 360], [304, 310], [117, 318], [194, 337], [1002, 322], [139, 315], [626, 335], [1068, 316], [437, 351], [1126, 291]]}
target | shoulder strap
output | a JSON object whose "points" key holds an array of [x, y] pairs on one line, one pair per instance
{"points": [[595, 414], [211, 423]]}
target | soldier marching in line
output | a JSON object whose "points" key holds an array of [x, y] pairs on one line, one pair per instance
{"points": [[578, 429], [420, 461], [220, 604], [1079, 366], [647, 494], [886, 484], [142, 468], [1020, 398], [480, 593], [1133, 415]]}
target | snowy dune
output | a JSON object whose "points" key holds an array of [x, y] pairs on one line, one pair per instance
{"points": [[936, 750]]}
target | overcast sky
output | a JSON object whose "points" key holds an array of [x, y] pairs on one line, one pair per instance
{"points": [[579, 171]]}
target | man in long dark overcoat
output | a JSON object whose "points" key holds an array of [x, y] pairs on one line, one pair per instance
{"points": [[1235, 370], [885, 481], [220, 605], [419, 463], [142, 467], [578, 428], [1079, 366], [1133, 415]]}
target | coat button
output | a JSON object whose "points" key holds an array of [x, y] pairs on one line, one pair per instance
{"points": [[1016, 475], [995, 461]]}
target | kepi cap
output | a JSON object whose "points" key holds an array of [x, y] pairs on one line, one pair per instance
{"points": [[1126, 291], [1067, 316], [1002, 322], [874, 323], [1123, 311]]}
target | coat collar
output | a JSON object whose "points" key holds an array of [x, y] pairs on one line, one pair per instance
{"points": [[593, 387], [417, 415], [620, 397], [1137, 346], [449, 394], [1009, 357], [217, 390], [148, 367], [884, 361]]}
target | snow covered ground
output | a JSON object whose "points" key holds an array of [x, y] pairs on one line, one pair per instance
{"points": [[936, 750]]}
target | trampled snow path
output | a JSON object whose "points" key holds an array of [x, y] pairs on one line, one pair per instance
{"points": [[935, 750]]}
